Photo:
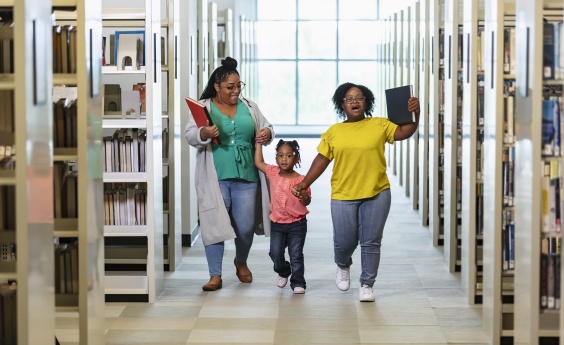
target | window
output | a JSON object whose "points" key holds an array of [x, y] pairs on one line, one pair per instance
{"points": [[305, 49]]}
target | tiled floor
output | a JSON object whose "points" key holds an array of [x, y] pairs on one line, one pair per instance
{"points": [[417, 300]]}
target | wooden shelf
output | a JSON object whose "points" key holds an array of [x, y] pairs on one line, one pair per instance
{"points": [[7, 177], [127, 123], [65, 79], [7, 82], [119, 177], [125, 230]]}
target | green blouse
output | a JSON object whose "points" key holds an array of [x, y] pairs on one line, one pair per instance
{"points": [[234, 158]]}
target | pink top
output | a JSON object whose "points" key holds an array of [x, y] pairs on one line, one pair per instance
{"points": [[284, 206]]}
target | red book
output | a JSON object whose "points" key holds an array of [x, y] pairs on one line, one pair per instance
{"points": [[201, 115]]}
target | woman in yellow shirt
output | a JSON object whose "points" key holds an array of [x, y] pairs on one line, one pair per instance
{"points": [[360, 190]]}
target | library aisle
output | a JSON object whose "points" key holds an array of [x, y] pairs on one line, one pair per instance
{"points": [[417, 300]]}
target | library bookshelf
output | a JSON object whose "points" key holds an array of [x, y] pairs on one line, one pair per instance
{"points": [[452, 103], [133, 177], [424, 122], [77, 163], [538, 172], [498, 281], [26, 220], [472, 207]]}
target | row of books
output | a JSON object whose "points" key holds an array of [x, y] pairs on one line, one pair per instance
{"points": [[508, 239], [65, 193], [64, 49], [509, 52], [6, 47], [7, 111], [550, 273], [125, 151], [480, 154], [508, 174], [66, 268], [551, 121], [7, 208], [8, 313], [65, 123], [509, 112], [165, 139], [8, 252], [165, 189], [553, 58], [551, 197], [7, 154], [125, 203], [480, 208]]}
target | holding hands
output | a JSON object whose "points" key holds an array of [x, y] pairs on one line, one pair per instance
{"points": [[263, 136], [299, 190]]}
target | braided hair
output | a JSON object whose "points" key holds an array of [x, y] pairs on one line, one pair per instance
{"points": [[295, 149], [228, 67]]}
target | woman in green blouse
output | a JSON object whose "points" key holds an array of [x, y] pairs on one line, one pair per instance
{"points": [[227, 173]]}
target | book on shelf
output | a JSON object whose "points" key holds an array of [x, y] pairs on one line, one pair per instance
{"points": [[7, 111], [124, 204], [550, 273], [551, 133], [8, 313], [124, 151], [6, 48], [396, 102], [8, 210], [201, 115], [66, 267]]}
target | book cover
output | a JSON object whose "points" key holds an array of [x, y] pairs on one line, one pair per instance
{"points": [[396, 102], [201, 115]]}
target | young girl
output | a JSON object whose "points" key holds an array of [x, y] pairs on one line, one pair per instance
{"points": [[288, 214]]}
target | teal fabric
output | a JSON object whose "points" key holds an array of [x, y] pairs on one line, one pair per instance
{"points": [[234, 158]]}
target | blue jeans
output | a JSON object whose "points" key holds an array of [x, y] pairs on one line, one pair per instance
{"points": [[360, 221], [293, 236], [239, 197]]}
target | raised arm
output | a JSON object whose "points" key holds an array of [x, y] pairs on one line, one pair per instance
{"points": [[259, 159], [320, 163], [405, 131]]}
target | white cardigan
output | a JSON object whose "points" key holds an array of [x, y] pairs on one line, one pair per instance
{"points": [[215, 224]]}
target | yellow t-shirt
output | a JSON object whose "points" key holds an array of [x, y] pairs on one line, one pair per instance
{"points": [[357, 149]]}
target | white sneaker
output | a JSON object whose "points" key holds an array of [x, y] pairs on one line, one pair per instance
{"points": [[366, 294], [299, 290], [281, 281], [343, 279]]}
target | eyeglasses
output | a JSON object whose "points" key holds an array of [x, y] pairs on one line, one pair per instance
{"points": [[358, 99], [239, 86]]}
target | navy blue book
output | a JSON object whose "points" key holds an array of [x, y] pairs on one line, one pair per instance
{"points": [[396, 102]]}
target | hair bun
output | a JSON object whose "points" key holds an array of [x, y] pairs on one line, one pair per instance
{"points": [[229, 63]]}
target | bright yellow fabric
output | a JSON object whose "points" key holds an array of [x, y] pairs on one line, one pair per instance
{"points": [[357, 149]]}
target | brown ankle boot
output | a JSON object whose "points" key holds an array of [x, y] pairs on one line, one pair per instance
{"points": [[243, 272], [214, 284]]}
